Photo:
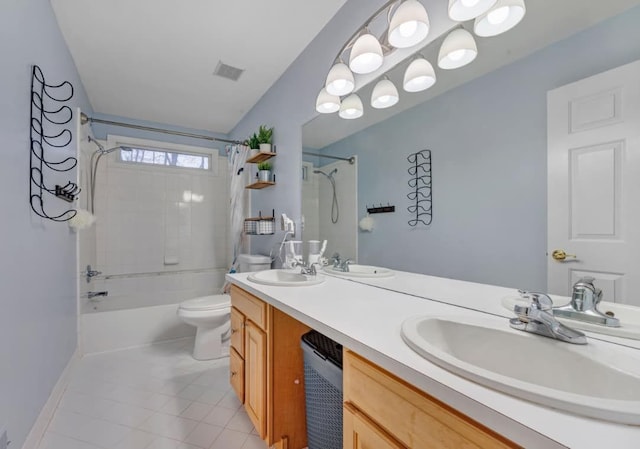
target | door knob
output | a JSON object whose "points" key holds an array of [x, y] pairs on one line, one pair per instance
{"points": [[560, 255]]}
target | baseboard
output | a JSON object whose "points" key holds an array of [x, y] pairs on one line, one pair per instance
{"points": [[40, 426]]}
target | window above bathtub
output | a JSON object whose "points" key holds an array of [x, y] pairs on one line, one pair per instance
{"points": [[165, 158], [164, 155]]}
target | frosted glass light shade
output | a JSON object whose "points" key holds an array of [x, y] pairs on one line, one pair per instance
{"points": [[409, 24], [351, 107], [502, 17], [419, 76], [366, 55], [340, 80], [462, 10], [458, 49], [327, 103], [384, 94]]}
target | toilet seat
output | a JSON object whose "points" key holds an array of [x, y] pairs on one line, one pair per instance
{"points": [[204, 303]]}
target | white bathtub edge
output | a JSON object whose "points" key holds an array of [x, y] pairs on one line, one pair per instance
{"points": [[121, 329]]}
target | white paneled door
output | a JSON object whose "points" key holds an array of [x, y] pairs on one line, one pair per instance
{"points": [[594, 184]]}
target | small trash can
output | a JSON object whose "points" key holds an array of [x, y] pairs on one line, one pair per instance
{"points": [[323, 390]]}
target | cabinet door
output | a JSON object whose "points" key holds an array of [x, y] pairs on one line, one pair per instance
{"points": [[255, 376], [237, 331], [236, 368], [362, 433]]}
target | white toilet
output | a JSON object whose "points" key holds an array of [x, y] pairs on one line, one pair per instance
{"points": [[211, 314]]}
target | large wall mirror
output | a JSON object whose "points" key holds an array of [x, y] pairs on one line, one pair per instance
{"points": [[487, 129]]}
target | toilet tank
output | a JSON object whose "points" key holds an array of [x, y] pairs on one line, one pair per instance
{"points": [[253, 262]]}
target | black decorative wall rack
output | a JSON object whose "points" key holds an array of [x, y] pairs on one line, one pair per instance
{"points": [[380, 209], [420, 184], [48, 119]]}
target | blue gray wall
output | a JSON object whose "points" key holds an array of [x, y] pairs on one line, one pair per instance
{"points": [[489, 143], [288, 105], [38, 264]]}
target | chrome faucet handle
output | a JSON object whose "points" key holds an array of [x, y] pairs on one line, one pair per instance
{"points": [[540, 301], [585, 295]]}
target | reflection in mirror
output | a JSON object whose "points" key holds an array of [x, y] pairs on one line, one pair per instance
{"points": [[488, 136], [329, 205]]}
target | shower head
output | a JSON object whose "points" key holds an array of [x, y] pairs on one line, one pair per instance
{"points": [[102, 150], [100, 147], [119, 147]]}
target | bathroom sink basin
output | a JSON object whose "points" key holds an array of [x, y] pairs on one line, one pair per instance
{"points": [[590, 380], [361, 271], [285, 278], [629, 318]]}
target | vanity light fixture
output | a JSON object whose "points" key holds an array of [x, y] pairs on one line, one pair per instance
{"points": [[419, 76], [327, 103], [340, 80], [384, 94], [461, 10], [409, 24], [458, 49], [403, 24], [504, 15], [351, 107], [366, 54]]}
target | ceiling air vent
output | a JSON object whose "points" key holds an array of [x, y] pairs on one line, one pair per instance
{"points": [[227, 71]]}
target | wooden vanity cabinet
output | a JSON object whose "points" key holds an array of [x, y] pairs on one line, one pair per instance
{"points": [[267, 369], [383, 411]]}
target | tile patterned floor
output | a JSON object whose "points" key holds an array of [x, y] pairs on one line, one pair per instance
{"points": [[152, 397]]}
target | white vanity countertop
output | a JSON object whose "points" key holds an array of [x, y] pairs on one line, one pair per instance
{"points": [[367, 320], [472, 295]]}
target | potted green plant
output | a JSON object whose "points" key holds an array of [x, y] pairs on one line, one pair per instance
{"points": [[264, 171], [254, 145], [265, 137]]}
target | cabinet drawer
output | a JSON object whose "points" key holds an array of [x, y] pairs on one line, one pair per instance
{"points": [[237, 331], [410, 415], [236, 368], [253, 308], [362, 433]]}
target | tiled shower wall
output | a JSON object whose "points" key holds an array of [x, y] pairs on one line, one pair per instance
{"points": [[161, 234]]}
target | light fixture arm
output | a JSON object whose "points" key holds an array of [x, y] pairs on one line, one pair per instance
{"points": [[363, 29]]}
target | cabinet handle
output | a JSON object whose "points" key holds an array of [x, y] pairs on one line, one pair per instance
{"points": [[233, 373], [233, 331]]}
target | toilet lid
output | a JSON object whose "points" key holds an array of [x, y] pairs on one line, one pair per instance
{"points": [[212, 302]]}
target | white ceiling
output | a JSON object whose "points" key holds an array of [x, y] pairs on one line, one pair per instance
{"points": [[153, 59], [546, 22]]}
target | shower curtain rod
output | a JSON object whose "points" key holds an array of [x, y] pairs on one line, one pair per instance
{"points": [[84, 118], [351, 159]]}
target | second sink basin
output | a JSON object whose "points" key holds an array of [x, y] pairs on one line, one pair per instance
{"points": [[589, 380], [286, 278], [361, 271]]}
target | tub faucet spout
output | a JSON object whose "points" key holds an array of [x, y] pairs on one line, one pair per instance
{"points": [[92, 295]]}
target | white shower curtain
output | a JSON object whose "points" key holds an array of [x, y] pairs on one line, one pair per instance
{"points": [[237, 156]]}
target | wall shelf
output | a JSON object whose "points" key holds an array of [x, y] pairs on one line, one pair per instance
{"points": [[260, 157], [260, 185]]}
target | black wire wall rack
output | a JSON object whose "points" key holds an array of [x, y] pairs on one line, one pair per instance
{"points": [[49, 115], [380, 209], [420, 185]]}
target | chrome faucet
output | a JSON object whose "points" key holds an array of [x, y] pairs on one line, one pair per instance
{"points": [[584, 305], [89, 273], [538, 319], [309, 269]]}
